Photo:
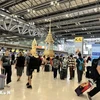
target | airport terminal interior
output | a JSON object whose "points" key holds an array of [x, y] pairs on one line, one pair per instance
{"points": [[57, 33]]}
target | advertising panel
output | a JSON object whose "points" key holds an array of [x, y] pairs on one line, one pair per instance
{"points": [[95, 51]]}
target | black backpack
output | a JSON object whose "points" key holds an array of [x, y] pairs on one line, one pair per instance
{"points": [[33, 63], [92, 70]]}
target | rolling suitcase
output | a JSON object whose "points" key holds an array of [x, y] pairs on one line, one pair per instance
{"points": [[47, 68], [83, 87], [2, 79], [62, 75]]}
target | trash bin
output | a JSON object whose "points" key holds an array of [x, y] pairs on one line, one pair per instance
{"points": [[2, 81]]}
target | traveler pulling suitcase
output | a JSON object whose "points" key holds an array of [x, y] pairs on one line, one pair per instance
{"points": [[2, 79], [83, 87]]}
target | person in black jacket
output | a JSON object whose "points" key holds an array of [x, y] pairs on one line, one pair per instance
{"points": [[20, 62], [95, 90]]}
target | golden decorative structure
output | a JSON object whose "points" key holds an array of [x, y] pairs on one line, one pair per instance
{"points": [[33, 50], [49, 44]]}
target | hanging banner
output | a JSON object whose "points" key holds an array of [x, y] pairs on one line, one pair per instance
{"points": [[95, 51], [79, 45]]}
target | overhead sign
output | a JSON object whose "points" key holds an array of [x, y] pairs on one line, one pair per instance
{"points": [[78, 39], [79, 45]]}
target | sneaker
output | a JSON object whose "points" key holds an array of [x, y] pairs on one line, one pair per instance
{"points": [[7, 86], [89, 97], [29, 86]]}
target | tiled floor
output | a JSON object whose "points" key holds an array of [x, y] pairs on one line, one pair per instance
{"points": [[44, 88]]}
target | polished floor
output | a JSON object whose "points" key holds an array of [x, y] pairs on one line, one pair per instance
{"points": [[44, 88]]}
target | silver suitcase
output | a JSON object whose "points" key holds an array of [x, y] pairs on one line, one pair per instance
{"points": [[2, 79]]}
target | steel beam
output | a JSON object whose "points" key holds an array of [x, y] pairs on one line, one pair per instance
{"points": [[16, 34], [69, 21], [78, 29], [97, 35], [96, 23], [40, 6], [78, 32], [10, 3], [67, 11]]}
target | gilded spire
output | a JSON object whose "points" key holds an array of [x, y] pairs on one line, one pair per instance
{"points": [[33, 50], [34, 43], [49, 38], [49, 46]]}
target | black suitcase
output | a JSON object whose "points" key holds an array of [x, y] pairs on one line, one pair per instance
{"points": [[88, 73], [62, 75], [47, 68]]}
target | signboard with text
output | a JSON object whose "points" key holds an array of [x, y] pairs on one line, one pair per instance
{"points": [[79, 45]]}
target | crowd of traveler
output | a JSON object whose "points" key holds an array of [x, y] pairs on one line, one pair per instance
{"points": [[55, 64]]}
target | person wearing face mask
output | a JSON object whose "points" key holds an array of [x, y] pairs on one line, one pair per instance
{"points": [[6, 65]]}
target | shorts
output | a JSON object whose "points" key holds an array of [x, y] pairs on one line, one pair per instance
{"points": [[20, 71], [29, 72]]}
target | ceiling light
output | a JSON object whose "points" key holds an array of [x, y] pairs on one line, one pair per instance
{"points": [[58, 4], [52, 3], [7, 11], [66, 30], [33, 23], [7, 17], [22, 17], [34, 11], [95, 9], [15, 16], [67, 15], [84, 28], [2, 15], [2, 9], [46, 20], [89, 33], [92, 36], [28, 10], [78, 23]]}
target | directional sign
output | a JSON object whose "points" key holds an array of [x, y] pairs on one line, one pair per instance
{"points": [[79, 45], [78, 39]]}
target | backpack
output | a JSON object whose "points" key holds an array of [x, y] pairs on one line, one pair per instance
{"points": [[92, 71], [81, 65], [33, 63], [56, 63], [6, 62]]}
